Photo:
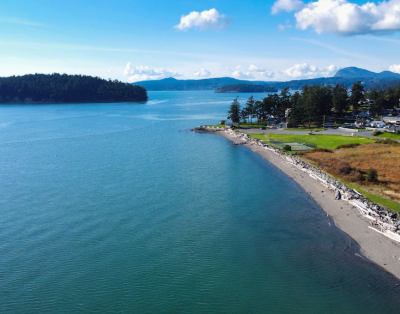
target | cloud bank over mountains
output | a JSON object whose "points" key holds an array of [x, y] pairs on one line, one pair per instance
{"points": [[203, 20], [343, 17], [202, 73], [145, 73]]}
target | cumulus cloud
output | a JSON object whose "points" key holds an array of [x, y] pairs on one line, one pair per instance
{"points": [[261, 71], [242, 75], [253, 68], [346, 18], [269, 74], [202, 73], [286, 5], [144, 73], [395, 68], [303, 70], [203, 20]]}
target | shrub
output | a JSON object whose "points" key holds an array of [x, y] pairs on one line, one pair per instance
{"points": [[387, 141], [320, 150], [376, 133], [348, 145], [287, 148], [345, 169], [356, 176], [372, 175], [222, 122]]}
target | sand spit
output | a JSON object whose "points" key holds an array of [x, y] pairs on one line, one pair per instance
{"points": [[376, 229]]}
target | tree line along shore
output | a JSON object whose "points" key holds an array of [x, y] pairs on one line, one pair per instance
{"points": [[314, 102], [63, 88]]}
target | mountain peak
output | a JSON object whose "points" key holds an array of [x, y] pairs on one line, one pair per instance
{"points": [[354, 72]]}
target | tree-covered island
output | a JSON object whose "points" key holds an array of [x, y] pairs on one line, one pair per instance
{"points": [[246, 88], [63, 88]]}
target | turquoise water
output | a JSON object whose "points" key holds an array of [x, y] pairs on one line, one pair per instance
{"points": [[113, 208]]}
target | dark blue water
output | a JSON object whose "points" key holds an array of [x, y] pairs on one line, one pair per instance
{"points": [[112, 208]]}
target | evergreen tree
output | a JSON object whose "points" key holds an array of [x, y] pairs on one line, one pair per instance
{"points": [[249, 109], [234, 111], [258, 110], [357, 94], [243, 116], [296, 116], [284, 103], [340, 99]]}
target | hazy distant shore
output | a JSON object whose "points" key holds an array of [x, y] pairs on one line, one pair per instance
{"points": [[376, 247]]}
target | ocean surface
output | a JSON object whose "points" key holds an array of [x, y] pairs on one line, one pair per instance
{"points": [[115, 208]]}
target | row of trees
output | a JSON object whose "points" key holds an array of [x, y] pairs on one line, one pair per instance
{"points": [[67, 88], [310, 104]]}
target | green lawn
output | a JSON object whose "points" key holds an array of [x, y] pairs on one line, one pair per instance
{"points": [[392, 136], [322, 141], [217, 126], [259, 136]]}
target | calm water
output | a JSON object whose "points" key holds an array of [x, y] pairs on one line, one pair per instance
{"points": [[111, 208]]}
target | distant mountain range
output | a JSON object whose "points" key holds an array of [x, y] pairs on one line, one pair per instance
{"points": [[347, 76], [204, 84], [353, 72]]}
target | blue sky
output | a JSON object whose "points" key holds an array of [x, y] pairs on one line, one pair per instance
{"points": [[131, 40]]}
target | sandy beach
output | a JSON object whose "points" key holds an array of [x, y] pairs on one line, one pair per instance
{"points": [[376, 247]]}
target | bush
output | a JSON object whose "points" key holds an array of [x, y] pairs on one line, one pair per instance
{"points": [[345, 169], [372, 175], [348, 145], [376, 133], [387, 141], [287, 148], [222, 122], [320, 150]]}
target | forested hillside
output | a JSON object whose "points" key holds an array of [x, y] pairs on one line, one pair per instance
{"points": [[63, 88], [246, 88]]}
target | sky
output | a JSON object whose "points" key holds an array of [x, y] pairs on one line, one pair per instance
{"points": [[134, 40]]}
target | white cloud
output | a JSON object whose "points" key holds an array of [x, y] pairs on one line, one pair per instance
{"points": [[144, 73], [261, 71], [395, 68], [269, 74], [203, 20], [304, 70], [202, 73], [242, 75], [253, 68], [286, 5], [345, 18]]}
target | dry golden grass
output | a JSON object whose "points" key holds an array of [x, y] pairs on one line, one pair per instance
{"points": [[351, 164]]}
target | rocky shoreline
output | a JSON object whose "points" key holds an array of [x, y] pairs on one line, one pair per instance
{"points": [[381, 219]]}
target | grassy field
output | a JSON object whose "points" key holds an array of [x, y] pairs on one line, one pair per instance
{"points": [[259, 136], [352, 164], [322, 141], [392, 136], [217, 126]]}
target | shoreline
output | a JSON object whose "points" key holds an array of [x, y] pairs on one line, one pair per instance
{"points": [[375, 245]]}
